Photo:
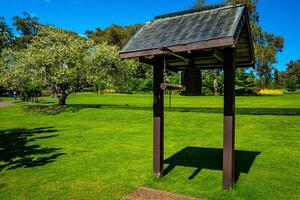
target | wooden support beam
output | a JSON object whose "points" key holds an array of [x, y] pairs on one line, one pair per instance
{"points": [[148, 61], [158, 121], [168, 51], [218, 55], [168, 86], [206, 62], [229, 118]]}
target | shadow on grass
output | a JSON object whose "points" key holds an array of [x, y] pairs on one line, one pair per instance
{"points": [[209, 158], [54, 109], [16, 150]]}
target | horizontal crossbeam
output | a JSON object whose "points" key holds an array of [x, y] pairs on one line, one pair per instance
{"points": [[170, 52]]}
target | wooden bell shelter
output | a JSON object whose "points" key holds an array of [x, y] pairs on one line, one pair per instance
{"points": [[216, 36]]}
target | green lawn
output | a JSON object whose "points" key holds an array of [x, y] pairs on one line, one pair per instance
{"points": [[102, 148]]}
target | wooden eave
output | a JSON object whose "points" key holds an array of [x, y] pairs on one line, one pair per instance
{"points": [[208, 44]]}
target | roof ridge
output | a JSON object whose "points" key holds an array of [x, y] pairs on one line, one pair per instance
{"points": [[198, 10]]}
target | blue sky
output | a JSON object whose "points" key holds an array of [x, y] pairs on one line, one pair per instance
{"points": [[276, 16]]}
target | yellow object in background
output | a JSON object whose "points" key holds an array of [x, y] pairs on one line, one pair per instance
{"points": [[270, 92], [108, 91]]}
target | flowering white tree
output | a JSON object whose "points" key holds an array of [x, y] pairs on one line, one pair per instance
{"points": [[65, 62]]}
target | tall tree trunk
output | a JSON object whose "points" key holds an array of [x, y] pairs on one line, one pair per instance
{"points": [[216, 87], [215, 83], [62, 99]]}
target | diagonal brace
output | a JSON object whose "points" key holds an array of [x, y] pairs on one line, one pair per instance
{"points": [[170, 52]]}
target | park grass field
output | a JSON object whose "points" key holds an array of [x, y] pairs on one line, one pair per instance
{"points": [[101, 148]]}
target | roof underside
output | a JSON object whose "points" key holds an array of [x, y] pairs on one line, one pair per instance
{"points": [[197, 34]]}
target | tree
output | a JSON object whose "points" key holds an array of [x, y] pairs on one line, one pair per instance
{"points": [[6, 35], [293, 75], [118, 36], [65, 63], [114, 34], [276, 78], [27, 27], [6, 41], [244, 82], [16, 77], [212, 82], [293, 68], [266, 45], [266, 48], [251, 5], [109, 70]]}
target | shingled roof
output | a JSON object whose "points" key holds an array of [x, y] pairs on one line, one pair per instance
{"points": [[194, 30]]}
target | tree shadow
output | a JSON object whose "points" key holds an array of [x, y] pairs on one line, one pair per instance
{"points": [[17, 149], [209, 158], [55, 109], [244, 111]]}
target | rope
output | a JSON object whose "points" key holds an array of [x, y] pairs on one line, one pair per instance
{"points": [[164, 79], [165, 68]]}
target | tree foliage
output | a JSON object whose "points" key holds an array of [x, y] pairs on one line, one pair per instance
{"points": [[251, 5], [110, 70], [140, 78], [244, 82], [6, 35], [266, 45], [266, 48], [212, 82], [113, 35], [293, 75], [6, 41], [293, 68], [65, 63], [27, 27]]}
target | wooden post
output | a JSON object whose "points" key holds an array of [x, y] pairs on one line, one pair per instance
{"points": [[158, 121], [229, 107]]}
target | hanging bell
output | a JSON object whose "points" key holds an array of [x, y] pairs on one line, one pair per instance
{"points": [[192, 80]]}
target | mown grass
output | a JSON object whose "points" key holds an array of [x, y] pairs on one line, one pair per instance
{"points": [[285, 101], [105, 151]]}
